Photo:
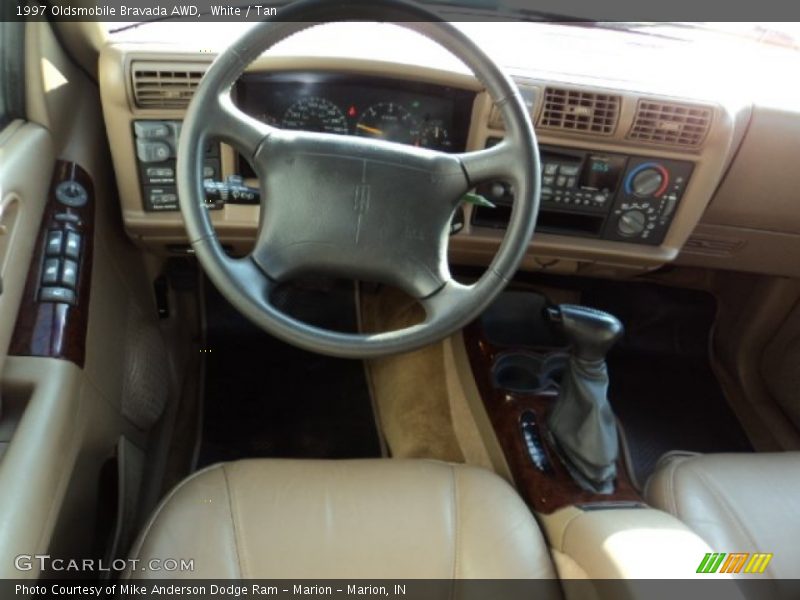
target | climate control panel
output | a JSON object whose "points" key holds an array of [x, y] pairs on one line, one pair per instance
{"points": [[646, 203], [598, 194]]}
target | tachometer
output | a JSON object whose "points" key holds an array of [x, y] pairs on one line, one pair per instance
{"points": [[315, 114], [388, 121]]}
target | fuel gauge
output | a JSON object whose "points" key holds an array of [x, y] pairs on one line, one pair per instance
{"points": [[434, 135]]}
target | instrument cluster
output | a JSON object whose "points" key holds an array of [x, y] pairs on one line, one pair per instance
{"points": [[428, 116]]}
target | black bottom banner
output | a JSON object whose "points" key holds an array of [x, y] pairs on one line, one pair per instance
{"points": [[413, 589]]}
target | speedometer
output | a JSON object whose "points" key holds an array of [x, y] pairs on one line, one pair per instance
{"points": [[315, 114], [389, 121]]}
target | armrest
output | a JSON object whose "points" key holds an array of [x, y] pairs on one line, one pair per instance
{"points": [[39, 428], [626, 544]]}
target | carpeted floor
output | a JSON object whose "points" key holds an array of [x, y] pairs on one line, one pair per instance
{"points": [[663, 388], [265, 398]]}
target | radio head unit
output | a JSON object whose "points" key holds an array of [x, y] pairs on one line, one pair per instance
{"points": [[592, 193]]}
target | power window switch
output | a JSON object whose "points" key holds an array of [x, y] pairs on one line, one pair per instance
{"points": [[69, 275], [72, 248], [50, 271], [57, 294], [55, 239]]}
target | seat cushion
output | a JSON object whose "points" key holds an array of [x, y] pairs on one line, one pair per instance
{"points": [[736, 502], [345, 519]]}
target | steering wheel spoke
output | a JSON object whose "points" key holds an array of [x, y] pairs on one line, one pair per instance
{"points": [[495, 162], [244, 274], [439, 305]]}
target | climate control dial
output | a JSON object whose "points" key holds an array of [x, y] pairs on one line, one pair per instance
{"points": [[648, 180], [631, 223]]}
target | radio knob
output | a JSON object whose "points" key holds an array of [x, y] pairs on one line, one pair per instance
{"points": [[631, 223]]}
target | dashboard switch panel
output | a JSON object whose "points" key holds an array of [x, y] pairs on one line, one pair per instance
{"points": [[156, 149]]}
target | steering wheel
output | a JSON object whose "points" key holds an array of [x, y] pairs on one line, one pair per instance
{"points": [[350, 206]]}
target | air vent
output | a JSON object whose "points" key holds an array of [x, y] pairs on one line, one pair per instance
{"points": [[672, 124], [165, 85], [712, 246], [576, 110]]}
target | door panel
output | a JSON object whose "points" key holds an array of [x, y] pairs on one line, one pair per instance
{"points": [[26, 164]]}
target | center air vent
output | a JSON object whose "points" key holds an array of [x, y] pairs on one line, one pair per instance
{"points": [[580, 111], [165, 85], [670, 123]]}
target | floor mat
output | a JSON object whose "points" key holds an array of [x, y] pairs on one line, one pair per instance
{"points": [[265, 398], [662, 386]]}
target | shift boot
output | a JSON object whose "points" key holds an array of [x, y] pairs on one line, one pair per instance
{"points": [[582, 423]]}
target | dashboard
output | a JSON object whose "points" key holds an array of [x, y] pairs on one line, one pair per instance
{"points": [[628, 172], [431, 116]]}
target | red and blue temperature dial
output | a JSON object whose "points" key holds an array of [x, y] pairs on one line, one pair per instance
{"points": [[647, 180]]}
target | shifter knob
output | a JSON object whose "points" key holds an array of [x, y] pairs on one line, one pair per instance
{"points": [[582, 422], [591, 332]]}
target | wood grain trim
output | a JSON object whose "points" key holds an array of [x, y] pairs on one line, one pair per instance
{"points": [[58, 330], [545, 491]]}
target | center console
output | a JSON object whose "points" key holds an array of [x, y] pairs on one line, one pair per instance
{"points": [[599, 541], [518, 369], [597, 194]]}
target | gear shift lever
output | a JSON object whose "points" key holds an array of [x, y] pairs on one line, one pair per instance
{"points": [[582, 422]]}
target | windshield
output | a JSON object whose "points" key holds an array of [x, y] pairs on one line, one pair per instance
{"points": [[786, 35], [776, 34]]}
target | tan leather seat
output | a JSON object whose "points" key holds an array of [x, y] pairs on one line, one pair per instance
{"points": [[346, 519], [736, 502]]}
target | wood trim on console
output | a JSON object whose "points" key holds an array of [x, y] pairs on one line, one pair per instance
{"points": [[545, 491], [56, 329]]}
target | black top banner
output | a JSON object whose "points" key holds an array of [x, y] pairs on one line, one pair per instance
{"points": [[447, 10]]}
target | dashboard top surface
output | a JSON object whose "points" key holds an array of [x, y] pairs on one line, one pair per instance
{"points": [[705, 67]]}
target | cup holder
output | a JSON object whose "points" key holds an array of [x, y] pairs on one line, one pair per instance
{"points": [[528, 373]]}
